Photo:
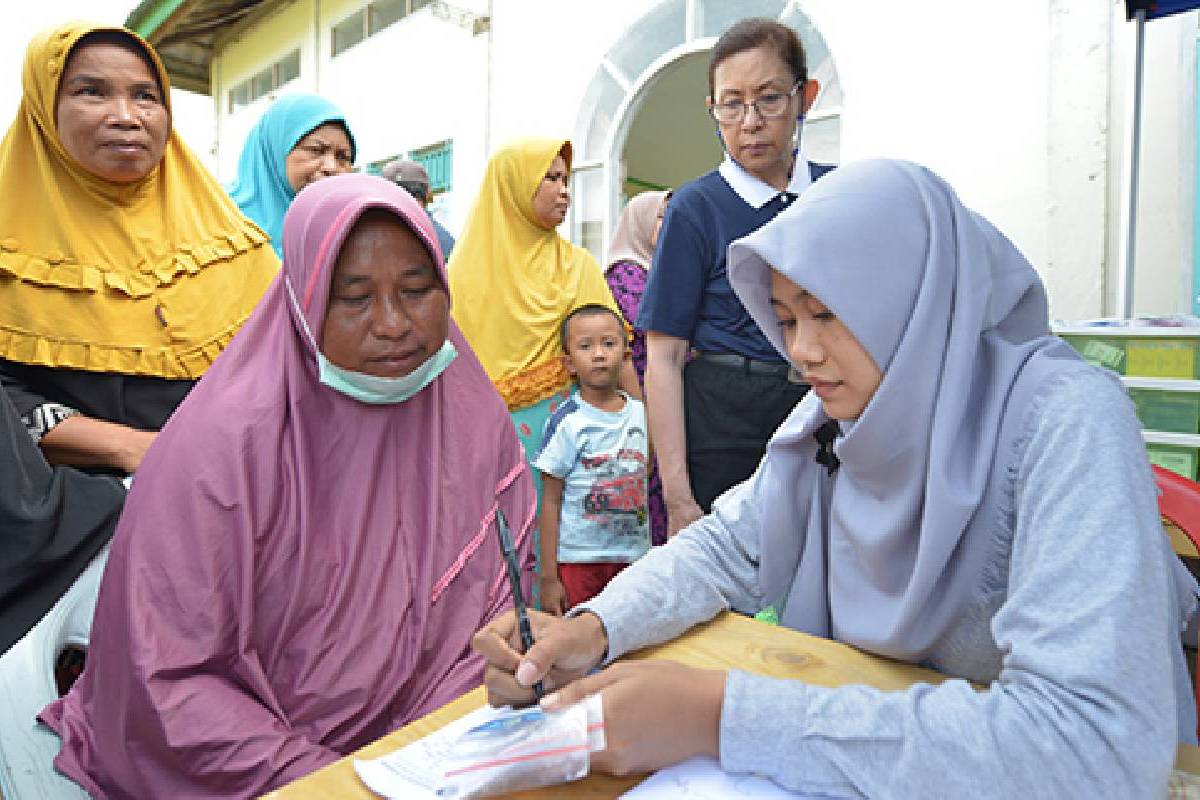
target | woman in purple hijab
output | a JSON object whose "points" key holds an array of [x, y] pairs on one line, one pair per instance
{"points": [[301, 565]]}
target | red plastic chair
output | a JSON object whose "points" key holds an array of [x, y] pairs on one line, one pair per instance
{"points": [[1179, 504]]}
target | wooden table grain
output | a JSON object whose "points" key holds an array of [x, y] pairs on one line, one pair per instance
{"points": [[1180, 542], [729, 641]]}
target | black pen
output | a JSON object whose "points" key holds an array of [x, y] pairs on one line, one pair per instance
{"points": [[514, 580]]}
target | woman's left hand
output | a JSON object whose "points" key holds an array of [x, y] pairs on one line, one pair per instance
{"points": [[656, 713]]}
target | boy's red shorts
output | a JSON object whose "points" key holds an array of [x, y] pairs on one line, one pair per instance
{"points": [[584, 581]]}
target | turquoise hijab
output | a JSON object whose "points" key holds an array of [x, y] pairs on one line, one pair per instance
{"points": [[262, 190]]}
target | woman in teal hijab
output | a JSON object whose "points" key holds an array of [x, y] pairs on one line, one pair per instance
{"points": [[300, 139]]}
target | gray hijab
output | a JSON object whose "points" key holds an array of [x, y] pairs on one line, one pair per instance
{"points": [[883, 553]]}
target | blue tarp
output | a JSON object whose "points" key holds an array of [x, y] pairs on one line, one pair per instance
{"points": [[1159, 8]]}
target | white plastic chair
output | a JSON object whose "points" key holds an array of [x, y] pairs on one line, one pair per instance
{"points": [[28, 748]]}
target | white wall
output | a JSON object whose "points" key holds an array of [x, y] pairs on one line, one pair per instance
{"points": [[544, 55], [966, 89], [1021, 105], [1166, 196], [288, 28], [420, 81], [1018, 103], [1077, 163], [1007, 100], [192, 118]]}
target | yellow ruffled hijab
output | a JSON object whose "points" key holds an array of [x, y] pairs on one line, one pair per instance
{"points": [[147, 278], [513, 282]]}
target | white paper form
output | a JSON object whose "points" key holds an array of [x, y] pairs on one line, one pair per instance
{"points": [[703, 779], [414, 771]]}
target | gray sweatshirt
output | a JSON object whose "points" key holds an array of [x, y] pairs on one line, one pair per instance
{"points": [[1074, 629]]}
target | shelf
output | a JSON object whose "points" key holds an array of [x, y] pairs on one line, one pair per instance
{"points": [[1178, 439], [1160, 384], [1146, 332]]}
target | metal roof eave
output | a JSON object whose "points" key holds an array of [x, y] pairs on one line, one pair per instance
{"points": [[150, 14], [187, 33]]}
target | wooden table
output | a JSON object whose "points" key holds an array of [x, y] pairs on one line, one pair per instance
{"points": [[1180, 542], [728, 641]]}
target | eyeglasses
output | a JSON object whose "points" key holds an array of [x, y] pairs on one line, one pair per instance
{"points": [[769, 106]]}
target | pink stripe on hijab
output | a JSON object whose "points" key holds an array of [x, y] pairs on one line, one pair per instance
{"points": [[296, 573]]}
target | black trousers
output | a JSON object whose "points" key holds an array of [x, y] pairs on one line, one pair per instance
{"points": [[730, 413]]}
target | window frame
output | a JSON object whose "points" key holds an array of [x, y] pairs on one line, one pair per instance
{"points": [[243, 93], [366, 13]]}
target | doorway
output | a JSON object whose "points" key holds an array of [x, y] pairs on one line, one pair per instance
{"points": [[671, 138], [643, 123]]}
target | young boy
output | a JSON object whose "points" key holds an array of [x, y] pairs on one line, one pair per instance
{"points": [[594, 454]]}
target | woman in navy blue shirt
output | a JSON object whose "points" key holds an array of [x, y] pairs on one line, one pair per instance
{"points": [[710, 418]]}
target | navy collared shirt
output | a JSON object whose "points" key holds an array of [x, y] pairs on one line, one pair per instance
{"points": [[688, 295]]}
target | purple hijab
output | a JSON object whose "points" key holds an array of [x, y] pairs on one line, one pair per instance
{"points": [[296, 573]]}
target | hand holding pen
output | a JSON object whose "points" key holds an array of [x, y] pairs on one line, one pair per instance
{"points": [[564, 651], [514, 581]]}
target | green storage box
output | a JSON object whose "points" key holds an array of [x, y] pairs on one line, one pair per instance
{"points": [[1180, 460], [1158, 410], [1165, 357], [1101, 351]]}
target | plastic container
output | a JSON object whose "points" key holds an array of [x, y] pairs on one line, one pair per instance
{"points": [[1158, 410], [1178, 459], [1100, 351], [1162, 357], [1139, 350]]}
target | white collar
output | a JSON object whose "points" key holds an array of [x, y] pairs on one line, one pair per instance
{"points": [[755, 192]]}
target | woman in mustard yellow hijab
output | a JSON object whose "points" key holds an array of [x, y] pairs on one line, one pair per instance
{"points": [[124, 271], [513, 280], [124, 267]]}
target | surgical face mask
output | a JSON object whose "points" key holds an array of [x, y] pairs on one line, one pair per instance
{"points": [[373, 389], [377, 390]]}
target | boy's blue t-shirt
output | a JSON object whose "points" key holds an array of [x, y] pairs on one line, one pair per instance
{"points": [[601, 457]]}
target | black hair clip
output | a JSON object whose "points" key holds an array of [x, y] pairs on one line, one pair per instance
{"points": [[825, 436]]}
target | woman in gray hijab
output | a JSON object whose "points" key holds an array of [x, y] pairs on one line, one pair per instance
{"points": [[959, 491]]}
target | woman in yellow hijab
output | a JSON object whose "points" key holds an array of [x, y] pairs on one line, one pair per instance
{"points": [[124, 271], [513, 280], [124, 266]]}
